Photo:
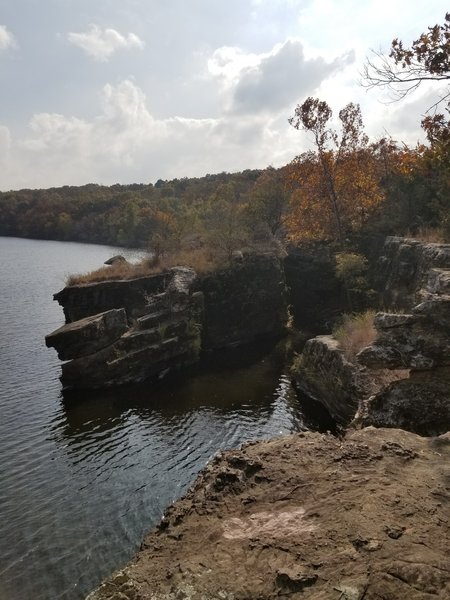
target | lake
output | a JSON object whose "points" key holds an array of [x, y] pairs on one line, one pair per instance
{"points": [[83, 477]]}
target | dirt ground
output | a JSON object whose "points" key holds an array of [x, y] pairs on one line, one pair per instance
{"points": [[307, 516]]}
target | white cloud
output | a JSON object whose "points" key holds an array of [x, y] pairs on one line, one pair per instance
{"points": [[101, 44], [273, 80], [7, 39], [126, 138]]}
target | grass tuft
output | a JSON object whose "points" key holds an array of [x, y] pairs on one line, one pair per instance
{"points": [[355, 332], [433, 235]]}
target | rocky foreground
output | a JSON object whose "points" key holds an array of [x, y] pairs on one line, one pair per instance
{"points": [[306, 516]]}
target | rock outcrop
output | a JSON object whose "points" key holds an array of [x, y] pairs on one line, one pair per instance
{"points": [[127, 331], [315, 292], [308, 516], [157, 333], [88, 335], [416, 343], [244, 303], [408, 266], [323, 373], [418, 340]]}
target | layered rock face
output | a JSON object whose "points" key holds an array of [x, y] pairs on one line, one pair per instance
{"points": [[315, 292], [127, 331], [308, 516], [323, 373], [407, 267], [416, 276], [418, 340], [154, 333], [243, 303]]}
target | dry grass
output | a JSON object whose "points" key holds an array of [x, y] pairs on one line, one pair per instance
{"points": [[435, 235], [119, 270], [355, 332], [200, 260]]}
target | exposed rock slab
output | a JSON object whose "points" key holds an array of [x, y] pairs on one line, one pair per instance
{"points": [[165, 337], [87, 299], [409, 341], [307, 516], [407, 266], [88, 335], [421, 405], [324, 374]]}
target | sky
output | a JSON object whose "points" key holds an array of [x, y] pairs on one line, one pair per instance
{"points": [[131, 91]]}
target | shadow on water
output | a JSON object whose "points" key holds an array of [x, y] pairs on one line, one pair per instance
{"points": [[228, 381]]}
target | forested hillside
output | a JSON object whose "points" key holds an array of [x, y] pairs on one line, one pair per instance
{"points": [[342, 190]]}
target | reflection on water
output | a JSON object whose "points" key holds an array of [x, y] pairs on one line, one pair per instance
{"points": [[83, 477]]}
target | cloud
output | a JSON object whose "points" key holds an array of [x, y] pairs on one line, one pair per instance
{"points": [[101, 44], [7, 39], [125, 142], [271, 81]]}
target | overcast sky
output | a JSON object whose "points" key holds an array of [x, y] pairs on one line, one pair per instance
{"points": [[122, 91]]}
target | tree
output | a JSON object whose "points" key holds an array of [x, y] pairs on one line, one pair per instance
{"points": [[337, 186], [226, 229], [268, 200], [405, 68]]}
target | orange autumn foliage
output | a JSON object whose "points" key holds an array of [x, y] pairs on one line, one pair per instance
{"points": [[337, 187]]}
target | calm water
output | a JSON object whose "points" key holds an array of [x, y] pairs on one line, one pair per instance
{"points": [[83, 478]]}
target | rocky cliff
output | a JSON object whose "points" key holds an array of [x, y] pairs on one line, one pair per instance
{"points": [[413, 275], [244, 303], [406, 267], [323, 373], [419, 341], [151, 332], [118, 332], [315, 294]]}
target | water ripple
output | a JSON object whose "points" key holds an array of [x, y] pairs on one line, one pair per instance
{"points": [[82, 478]]}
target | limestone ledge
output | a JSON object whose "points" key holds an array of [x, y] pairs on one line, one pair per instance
{"points": [[128, 331]]}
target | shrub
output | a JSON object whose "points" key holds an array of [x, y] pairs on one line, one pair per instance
{"points": [[351, 268]]}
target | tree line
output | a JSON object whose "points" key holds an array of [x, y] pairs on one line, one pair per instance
{"points": [[345, 189]]}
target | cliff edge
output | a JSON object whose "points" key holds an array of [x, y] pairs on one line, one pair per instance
{"points": [[306, 516]]}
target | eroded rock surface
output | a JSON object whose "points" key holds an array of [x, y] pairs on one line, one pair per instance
{"points": [[307, 516], [419, 341], [324, 374], [408, 266], [244, 302], [166, 319], [160, 333], [88, 335]]}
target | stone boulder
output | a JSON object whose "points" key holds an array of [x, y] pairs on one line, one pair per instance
{"points": [[89, 335], [116, 259], [323, 373]]}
